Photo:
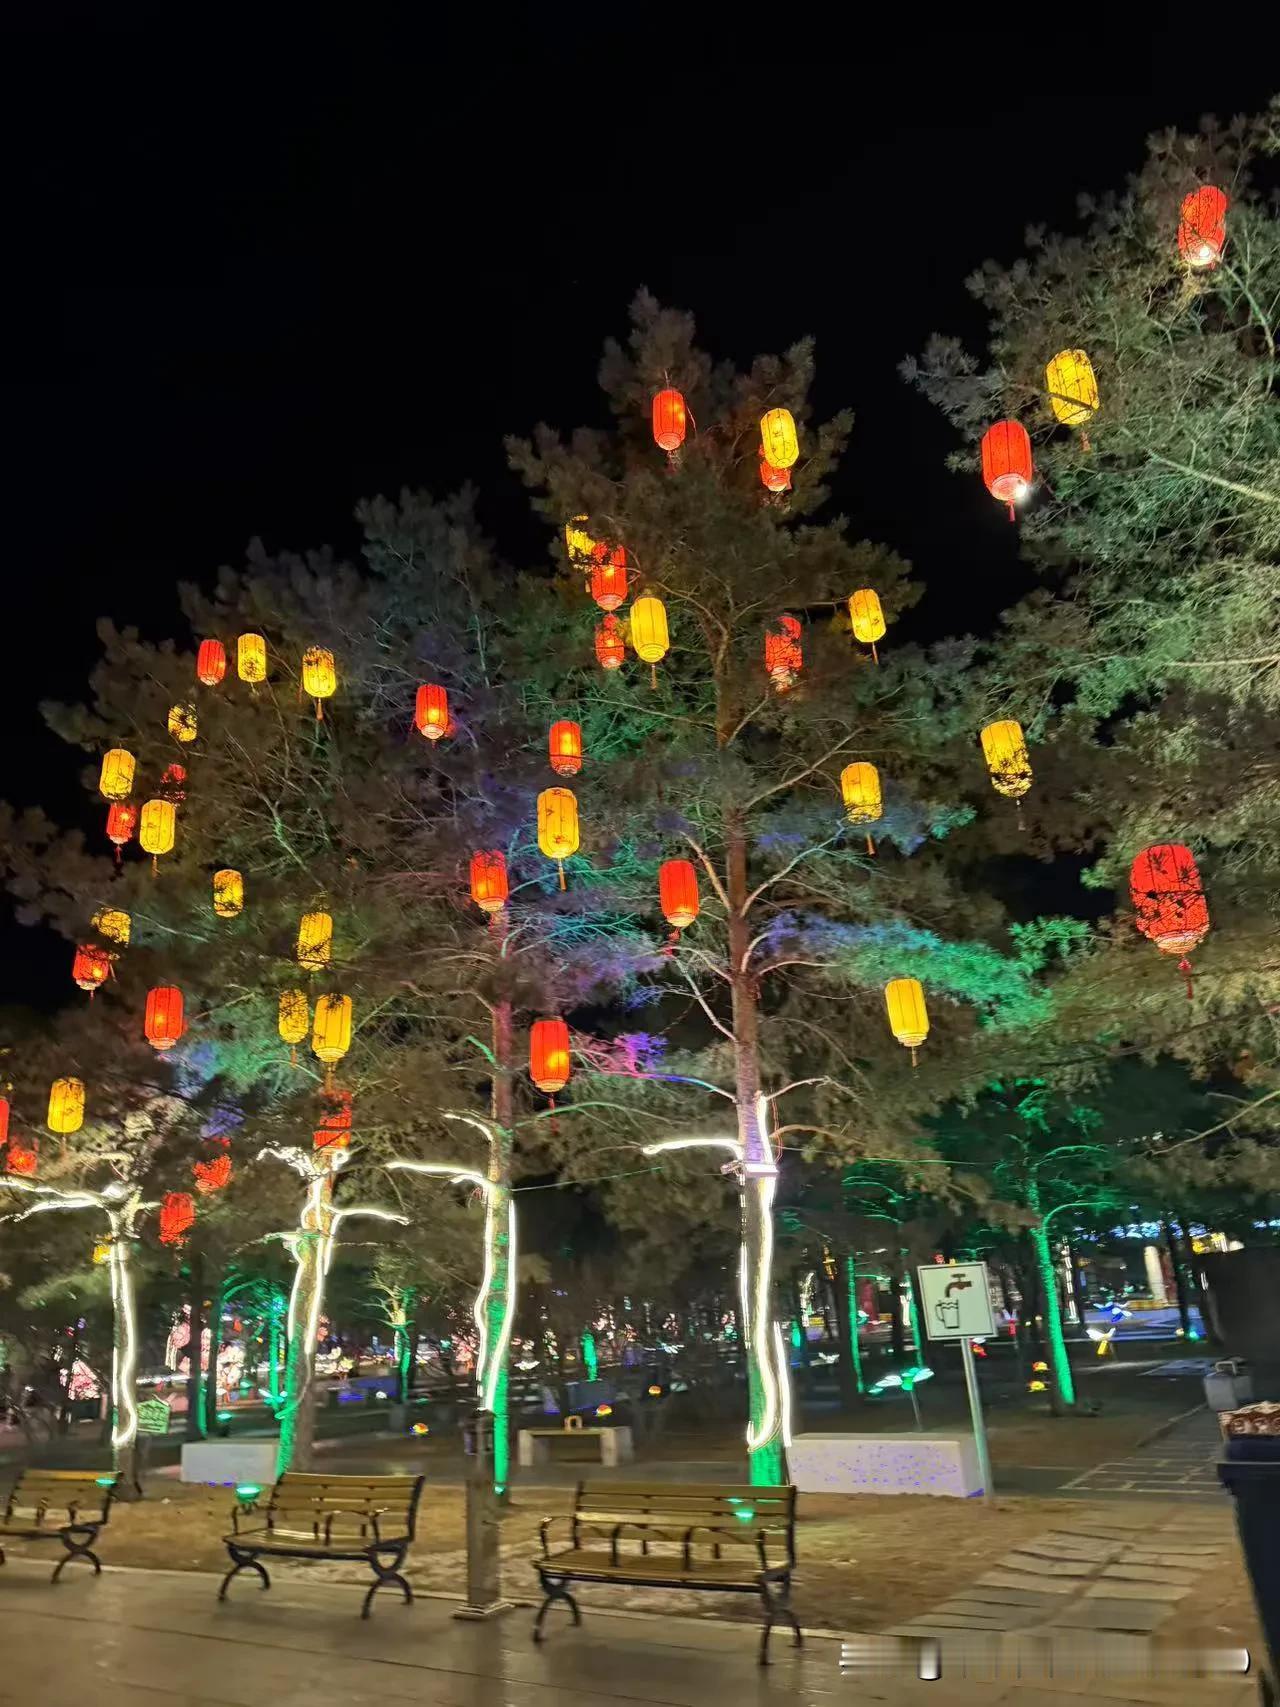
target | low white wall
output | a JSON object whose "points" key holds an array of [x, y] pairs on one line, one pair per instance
{"points": [[885, 1464], [228, 1462]]}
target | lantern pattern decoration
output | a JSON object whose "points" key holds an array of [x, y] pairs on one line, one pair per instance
{"points": [[251, 659], [66, 1106], [211, 663], [611, 645], [670, 420], [608, 583], [549, 1055], [1072, 386], [156, 829], [489, 885], [860, 791], [22, 1159], [558, 825], [783, 656], [649, 634], [578, 542], [315, 941], [116, 926], [319, 676], [212, 1175], [331, 1032], [165, 1020], [1007, 468], [908, 1016], [90, 967], [678, 893], [183, 725], [564, 745], [177, 1217], [173, 784], [431, 711], [866, 618], [334, 1130], [778, 442], [115, 780], [1202, 227], [1169, 900], [1004, 747], [122, 821], [774, 479], [228, 893], [294, 1021]]}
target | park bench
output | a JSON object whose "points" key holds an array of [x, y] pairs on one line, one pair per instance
{"points": [[70, 1506], [329, 1517], [729, 1538]]}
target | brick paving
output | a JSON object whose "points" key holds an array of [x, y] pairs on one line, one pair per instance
{"points": [[1179, 1464]]}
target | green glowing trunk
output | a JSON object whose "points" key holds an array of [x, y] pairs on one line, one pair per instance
{"points": [[1062, 1387], [499, 1299], [402, 1331], [312, 1243], [852, 1346]]}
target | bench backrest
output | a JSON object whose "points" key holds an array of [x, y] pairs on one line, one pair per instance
{"points": [[80, 1496], [668, 1510], [304, 1501]]}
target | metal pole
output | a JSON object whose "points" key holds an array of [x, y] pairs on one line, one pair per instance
{"points": [[979, 1422], [915, 1406]]}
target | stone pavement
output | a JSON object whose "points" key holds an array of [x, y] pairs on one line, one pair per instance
{"points": [[1178, 1464]]}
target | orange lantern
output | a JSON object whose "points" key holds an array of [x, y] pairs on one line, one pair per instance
{"points": [[431, 713], [678, 892], [228, 894], [91, 966], [173, 783], [164, 1023], [611, 645], [778, 441], [782, 654], [558, 825], [1169, 900], [609, 577], [774, 479], [489, 886], [212, 1175], [156, 828], [1006, 463], [211, 662], [669, 420], [122, 821], [66, 1106], [1202, 227], [867, 618], [115, 780], [549, 1055], [334, 1130], [19, 1159], [177, 1217], [565, 744], [251, 658]]}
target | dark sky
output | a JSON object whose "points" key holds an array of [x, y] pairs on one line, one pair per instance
{"points": [[249, 285]]}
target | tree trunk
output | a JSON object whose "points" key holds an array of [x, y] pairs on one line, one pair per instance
{"points": [[1062, 1387], [194, 1426], [124, 1362], [311, 1248], [498, 1307], [215, 1349], [897, 1333], [403, 1336], [1179, 1281], [1207, 1327], [845, 1298]]}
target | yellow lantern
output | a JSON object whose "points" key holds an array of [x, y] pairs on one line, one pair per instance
{"points": [[116, 777], [295, 1020], [182, 723], [778, 440], [908, 1017], [315, 941], [331, 1034], [319, 675], [578, 542], [860, 790], [867, 618], [1073, 388], [228, 894], [113, 924], [251, 658], [1004, 747], [66, 1105], [102, 1251], [649, 632], [558, 825], [156, 828]]}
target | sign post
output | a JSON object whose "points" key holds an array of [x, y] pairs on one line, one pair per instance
{"points": [[957, 1306]]}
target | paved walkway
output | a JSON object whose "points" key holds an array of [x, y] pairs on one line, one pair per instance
{"points": [[1178, 1464]]}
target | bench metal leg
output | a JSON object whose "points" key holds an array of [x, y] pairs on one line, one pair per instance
{"points": [[776, 1599], [78, 1539], [555, 1588], [242, 1561], [389, 1573]]}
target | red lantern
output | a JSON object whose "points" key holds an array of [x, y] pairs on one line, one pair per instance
{"points": [[212, 1175], [91, 966], [549, 1055], [489, 886], [431, 714], [1202, 227], [1006, 462], [611, 645], [122, 821], [4, 1120], [565, 747], [609, 577], [774, 479], [669, 420], [173, 784], [21, 1160], [211, 662], [335, 1125], [164, 1023], [783, 657], [1169, 900], [678, 892], [177, 1217]]}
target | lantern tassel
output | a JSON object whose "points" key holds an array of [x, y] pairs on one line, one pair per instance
{"points": [[1013, 514], [293, 1055], [1184, 966], [915, 1059], [875, 656], [871, 846], [560, 863], [1017, 807], [319, 712], [155, 865], [653, 675], [118, 861], [1084, 443]]}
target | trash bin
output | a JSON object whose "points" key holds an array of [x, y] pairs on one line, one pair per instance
{"points": [[1254, 1483], [1228, 1385]]}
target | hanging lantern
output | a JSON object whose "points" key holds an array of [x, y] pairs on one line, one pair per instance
{"points": [[156, 828], [114, 925], [319, 676], [66, 1106], [558, 825], [565, 744], [91, 966], [334, 1130], [649, 632], [1202, 227], [608, 582], [4, 1120], [1169, 900], [22, 1159], [182, 723], [164, 1022], [549, 1055], [611, 645], [315, 941], [778, 442], [115, 780], [908, 1018], [102, 1252], [251, 658], [212, 1175], [1006, 463], [228, 894], [431, 713], [1004, 748], [774, 479], [177, 1217], [1072, 386], [122, 820], [578, 542], [669, 420], [678, 892], [331, 1031], [783, 656], [173, 784], [860, 791], [489, 887], [294, 1020], [867, 618], [211, 662]]}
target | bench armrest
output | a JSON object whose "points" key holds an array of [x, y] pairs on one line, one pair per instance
{"points": [[545, 1525], [238, 1511]]}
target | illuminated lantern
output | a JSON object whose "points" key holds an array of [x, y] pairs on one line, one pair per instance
{"points": [[867, 618], [173, 783], [113, 924], [669, 420], [228, 894], [182, 723], [294, 1020], [778, 442], [860, 791], [21, 1159], [565, 745], [66, 1106], [774, 479], [319, 676], [549, 1055], [315, 941], [1004, 747], [251, 658], [156, 827], [783, 657], [122, 821], [1202, 227], [177, 1217], [1169, 900], [212, 1175], [609, 577], [678, 892], [164, 1022], [649, 632], [331, 1030], [558, 825], [1073, 388], [611, 645], [431, 713], [334, 1130], [4, 1120], [115, 780], [1006, 463], [91, 966], [578, 542], [908, 1018], [211, 662], [489, 887]]}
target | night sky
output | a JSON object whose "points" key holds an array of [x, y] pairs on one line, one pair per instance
{"points": [[248, 287]]}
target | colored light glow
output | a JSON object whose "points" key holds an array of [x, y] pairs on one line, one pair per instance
{"points": [[604, 1410], [247, 1492], [655, 1392], [421, 1428]]}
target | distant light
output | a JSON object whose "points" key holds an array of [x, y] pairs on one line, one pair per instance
{"points": [[225, 1416], [247, 1492], [421, 1428], [1040, 1368], [379, 1394], [1037, 1386], [604, 1410], [655, 1392]]}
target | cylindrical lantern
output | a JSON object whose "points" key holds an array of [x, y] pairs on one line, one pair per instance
{"points": [[489, 887], [4, 1120], [774, 479], [1004, 748], [578, 542], [165, 1020], [611, 645], [331, 1029], [211, 662], [115, 781], [669, 420], [315, 941], [908, 1017], [319, 675], [177, 1217], [251, 658], [565, 747], [173, 783], [1169, 900], [91, 966], [649, 632], [228, 894], [111, 923], [122, 821], [66, 1106], [1072, 386], [1202, 227], [294, 1020], [431, 712], [212, 1175], [778, 442], [334, 1130], [860, 791], [609, 577], [783, 656], [558, 825], [678, 892], [867, 618], [156, 828], [1006, 462], [549, 1055], [182, 723]]}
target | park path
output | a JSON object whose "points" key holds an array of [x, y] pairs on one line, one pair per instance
{"points": [[1179, 1464]]}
